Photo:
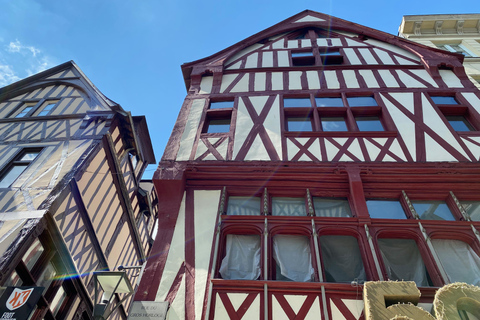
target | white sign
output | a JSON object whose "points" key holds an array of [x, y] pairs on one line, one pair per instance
{"points": [[148, 310]]}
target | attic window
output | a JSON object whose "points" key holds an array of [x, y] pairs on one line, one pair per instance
{"points": [[218, 117], [303, 58], [330, 56]]}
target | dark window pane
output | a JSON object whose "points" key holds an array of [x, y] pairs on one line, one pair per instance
{"points": [[341, 259], [433, 210], [218, 125], [361, 101], [472, 208], [221, 104], [325, 207], [459, 123], [329, 102], [299, 124], [334, 124], [385, 209], [444, 100], [369, 124], [243, 206], [12, 174], [297, 102]]}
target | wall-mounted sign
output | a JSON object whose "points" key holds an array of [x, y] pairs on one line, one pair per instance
{"points": [[148, 310], [17, 303]]}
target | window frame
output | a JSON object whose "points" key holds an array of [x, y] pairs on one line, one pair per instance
{"points": [[16, 161], [460, 109], [217, 114], [37, 106]]}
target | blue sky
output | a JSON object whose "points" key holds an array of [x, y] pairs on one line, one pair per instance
{"points": [[132, 50]]}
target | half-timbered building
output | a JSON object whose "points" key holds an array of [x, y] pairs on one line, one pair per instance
{"points": [[307, 159], [71, 199]]}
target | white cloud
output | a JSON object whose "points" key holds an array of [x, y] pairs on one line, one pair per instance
{"points": [[7, 75], [16, 46]]}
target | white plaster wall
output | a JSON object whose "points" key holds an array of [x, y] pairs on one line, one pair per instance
{"points": [[242, 85], [369, 78], [313, 80], [267, 59], [205, 216], [350, 79], [277, 80], [294, 82], [392, 48], [332, 80], [252, 60], [245, 122], [450, 79], [227, 79], [352, 56], [206, 84], [243, 52], [190, 131], [283, 59], [260, 81]]}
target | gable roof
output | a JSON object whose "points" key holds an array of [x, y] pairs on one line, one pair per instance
{"points": [[309, 18]]}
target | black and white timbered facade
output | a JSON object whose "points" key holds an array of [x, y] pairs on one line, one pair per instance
{"points": [[71, 200], [307, 159]]}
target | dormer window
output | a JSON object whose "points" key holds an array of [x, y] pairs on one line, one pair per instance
{"points": [[303, 58], [330, 56]]}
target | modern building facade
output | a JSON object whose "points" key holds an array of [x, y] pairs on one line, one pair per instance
{"points": [[458, 33], [307, 159], [71, 199]]}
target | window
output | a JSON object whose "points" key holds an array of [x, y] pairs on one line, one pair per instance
{"points": [[326, 56], [293, 258], [335, 114], [457, 48], [242, 258], [328, 207], [303, 58], [457, 115], [218, 117], [459, 261], [403, 261], [243, 206], [17, 166], [433, 210], [472, 208], [385, 209], [341, 259], [330, 56], [30, 109], [288, 206]]}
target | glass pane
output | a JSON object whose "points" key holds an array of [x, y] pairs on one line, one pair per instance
{"points": [[13, 280], [444, 100], [288, 206], [403, 261], [33, 253], [472, 208], [29, 155], [13, 173], [334, 124], [221, 104], [299, 124], [302, 54], [244, 206], [297, 102], [293, 258], [49, 107], [369, 124], [329, 102], [433, 210], [47, 276], [330, 53], [361, 101], [58, 300], [341, 259], [385, 209], [459, 123], [218, 125], [325, 207], [24, 112]]}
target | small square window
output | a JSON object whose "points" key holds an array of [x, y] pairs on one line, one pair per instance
{"points": [[303, 59], [369, 124], [444, 100], [47, 108], [330, 56], [385, 209], [334, 124], [288, 206], [459, 123], [218, 125], [244, 206], [329, 102], [25, 111], [301, 124]]}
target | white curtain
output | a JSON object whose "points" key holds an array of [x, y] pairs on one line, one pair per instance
{"points": [[341, 259], [458, 260], [242, 259], [403, 260], [243, 206], [292, 254], [288, 206], [331, 207]]}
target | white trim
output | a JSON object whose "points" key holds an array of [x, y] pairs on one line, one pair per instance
{"points": [[17, 215]]}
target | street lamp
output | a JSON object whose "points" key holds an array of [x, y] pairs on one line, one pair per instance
{"points": [[111, 282]]}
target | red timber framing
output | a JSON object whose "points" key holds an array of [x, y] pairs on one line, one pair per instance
{"points": [[262, 145]]}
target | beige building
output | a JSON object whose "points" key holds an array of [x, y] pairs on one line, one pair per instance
{"points": [[458, 33], [71, 200]]}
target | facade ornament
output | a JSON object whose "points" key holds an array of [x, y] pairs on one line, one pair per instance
{"points": [[438, 27], [417, 28], [459, 26]]}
